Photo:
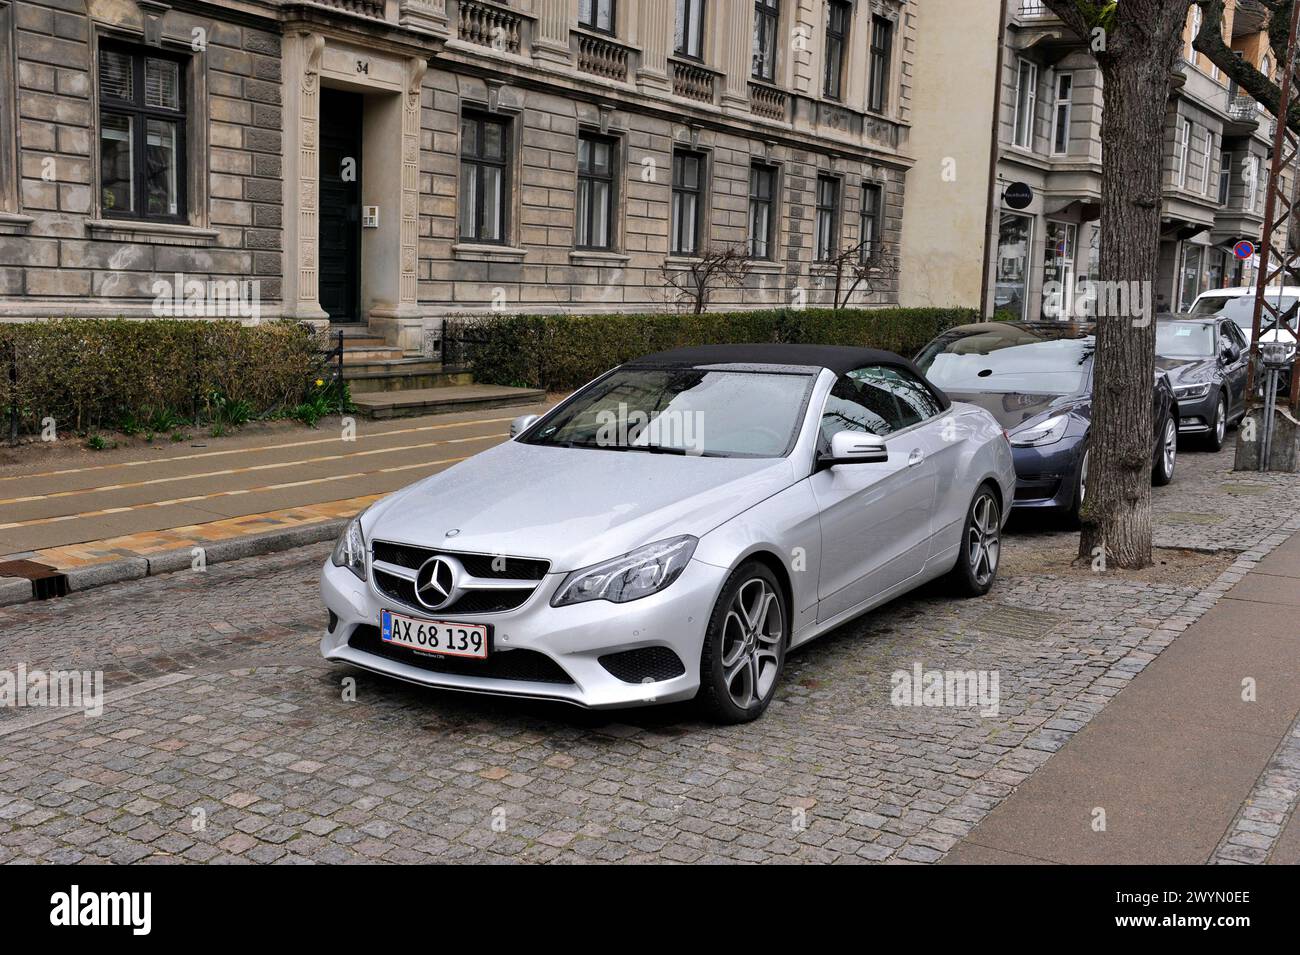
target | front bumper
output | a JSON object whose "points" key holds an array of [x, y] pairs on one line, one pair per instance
{"points": [[572, 639], [1046, 477], [1196, 416]]}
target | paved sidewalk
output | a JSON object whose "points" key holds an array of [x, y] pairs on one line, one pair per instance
{"points": [[171, 498], [1183, 766]]}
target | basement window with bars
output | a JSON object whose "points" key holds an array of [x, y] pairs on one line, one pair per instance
{"points": [[142, 117]]}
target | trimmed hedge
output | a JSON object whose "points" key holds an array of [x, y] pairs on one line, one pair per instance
{"points": [[90, 374], [561, 352]]}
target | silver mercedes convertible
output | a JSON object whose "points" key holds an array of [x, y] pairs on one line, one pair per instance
{"points": [[673, 529]]}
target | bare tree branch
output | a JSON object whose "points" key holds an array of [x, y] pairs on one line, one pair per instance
{"points": [[714, 268]]}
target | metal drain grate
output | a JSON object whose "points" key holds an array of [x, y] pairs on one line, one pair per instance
{"points": [[1019, 623]]}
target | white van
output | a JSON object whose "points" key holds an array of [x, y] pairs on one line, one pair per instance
{"points": [[1238, 304]]}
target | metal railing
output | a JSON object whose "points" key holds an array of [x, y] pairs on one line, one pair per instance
{"points": [[457, 342], [1034, 10]]}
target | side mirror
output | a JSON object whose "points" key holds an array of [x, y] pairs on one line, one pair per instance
{"points": [[1230, 354], [522, 424], [854, 447]]}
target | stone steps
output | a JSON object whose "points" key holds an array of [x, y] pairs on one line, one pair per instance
{"points": [[443, 400], [406, 374]]}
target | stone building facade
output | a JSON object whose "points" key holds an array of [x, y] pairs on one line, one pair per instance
{"points": [[1217, 143], [388, 162]]}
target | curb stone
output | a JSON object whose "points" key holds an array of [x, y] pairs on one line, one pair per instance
{"points": [[15, 590]]}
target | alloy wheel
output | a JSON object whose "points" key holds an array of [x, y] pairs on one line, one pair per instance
{"points": [[1171, 446], [983, 543], [1220, 421], [751, 643], [1083, 477]]}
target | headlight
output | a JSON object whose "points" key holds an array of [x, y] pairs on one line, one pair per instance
{"points": [[1046, 432], [1191, 391], [350, 549], [645, 571]]}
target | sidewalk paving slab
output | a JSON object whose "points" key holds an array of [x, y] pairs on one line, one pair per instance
{"points": [[1176, 754]]}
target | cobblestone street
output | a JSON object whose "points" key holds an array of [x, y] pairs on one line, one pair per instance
{"points": [[225, 737]]}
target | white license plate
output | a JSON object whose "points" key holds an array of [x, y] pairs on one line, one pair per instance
{"points": [[434, 636]]}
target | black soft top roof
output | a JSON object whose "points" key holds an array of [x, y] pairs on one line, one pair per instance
{"points": [[838, 358]]}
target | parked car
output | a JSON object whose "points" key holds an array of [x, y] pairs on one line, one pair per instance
{"points": [[1035, 378], [673, 528], [1238, 305], [1206, 360]]}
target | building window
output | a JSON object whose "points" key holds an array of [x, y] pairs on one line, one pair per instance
{"points": [[872, 215], [828, 217], [688, 192], [1058, 270], [1251, 171], [1026, 100], [767, 14], [1207, 160], [596, 187], [1061, 113], [484, 178], [1195, 28], [1225, 177], [837, 41], [596, 15], [1014, 235], [1190, 286], [142, 112], [882, 51], [1184, 148], [8, 122], [762, 202], [689, 40]]}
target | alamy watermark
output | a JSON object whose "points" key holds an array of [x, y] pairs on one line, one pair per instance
{"points": [[64, 689], [949, 688], [1089, 299], [181, 297], [624, 428]]}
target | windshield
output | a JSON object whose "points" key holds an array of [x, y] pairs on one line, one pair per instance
{"points": [[1010, 360], [1240, 309], [729, 414], [1184, 340]]}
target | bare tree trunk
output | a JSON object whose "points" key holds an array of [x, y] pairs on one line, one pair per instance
{"points": [[1136, 44]]}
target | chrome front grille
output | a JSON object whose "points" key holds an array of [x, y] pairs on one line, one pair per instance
{"points": [[484, 583]]}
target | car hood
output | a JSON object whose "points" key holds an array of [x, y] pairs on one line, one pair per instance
{"points": [[1015, 408], [572, 506], [1187, 371]]}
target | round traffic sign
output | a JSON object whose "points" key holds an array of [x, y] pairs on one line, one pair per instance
{"points": [[1244, 249]]}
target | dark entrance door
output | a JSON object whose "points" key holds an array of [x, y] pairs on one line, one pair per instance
{"points": [[340, 205]]}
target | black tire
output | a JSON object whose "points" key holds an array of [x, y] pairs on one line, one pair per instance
{"points": [[1073, 517], [1163, 470], [1213, 441], [981, 545], [725, 643]]}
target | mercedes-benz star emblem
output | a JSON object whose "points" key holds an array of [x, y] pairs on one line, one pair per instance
{"points": [[435, 582]]}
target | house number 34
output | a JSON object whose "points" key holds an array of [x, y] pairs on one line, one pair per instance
{"points": [[363, 66]]}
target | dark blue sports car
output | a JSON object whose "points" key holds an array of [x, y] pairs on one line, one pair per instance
{"points": [[1036, 379]]}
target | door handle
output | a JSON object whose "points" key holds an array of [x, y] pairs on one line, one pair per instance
{"points": [[915, 458]]}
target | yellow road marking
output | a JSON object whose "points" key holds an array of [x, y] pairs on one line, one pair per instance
{"points": [[248, 469], [252, 490], [260, 447]]}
